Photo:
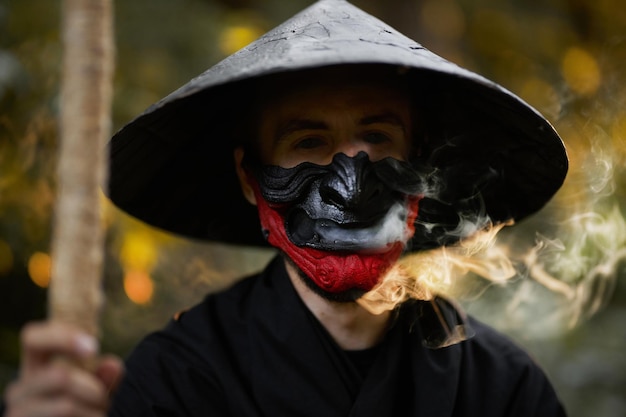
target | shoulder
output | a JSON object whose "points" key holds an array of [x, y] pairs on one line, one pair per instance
{"points": [[208, 322], [219, 322], [482, 352], [489, 344], [188, 365], [493, 354], [495, 366]]}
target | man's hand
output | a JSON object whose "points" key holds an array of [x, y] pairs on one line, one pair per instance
{"points": [[50, 381]]}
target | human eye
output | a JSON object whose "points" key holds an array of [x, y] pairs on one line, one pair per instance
{"points": [[309, 142], [386, 142], [376, 138]]}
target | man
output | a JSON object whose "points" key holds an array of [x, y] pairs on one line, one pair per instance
{"points": [[352, 145]]}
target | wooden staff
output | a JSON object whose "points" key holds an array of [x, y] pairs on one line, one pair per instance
{"points": [[86, 92]]}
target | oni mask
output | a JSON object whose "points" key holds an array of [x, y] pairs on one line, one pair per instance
{"points": [[343, 224]]}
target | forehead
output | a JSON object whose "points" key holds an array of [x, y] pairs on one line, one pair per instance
{"points": [[328, 98], [307, 84], [362, 88]]}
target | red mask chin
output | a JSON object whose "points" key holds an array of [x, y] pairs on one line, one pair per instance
{"points": [[336, 272]]}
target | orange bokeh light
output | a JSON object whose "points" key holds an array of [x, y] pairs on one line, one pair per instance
{"points": [[138, 286], [39, 268]]}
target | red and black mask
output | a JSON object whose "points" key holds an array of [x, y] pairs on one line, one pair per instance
{"points": [[343, 224]]}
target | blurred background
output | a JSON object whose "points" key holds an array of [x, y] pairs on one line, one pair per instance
{"points": [[566, 304]]}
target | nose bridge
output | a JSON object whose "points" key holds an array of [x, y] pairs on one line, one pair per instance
{"points": [[350, 145]]}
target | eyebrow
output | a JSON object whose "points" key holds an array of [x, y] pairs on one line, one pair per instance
{"points": [[387, 118], [296, 125]]}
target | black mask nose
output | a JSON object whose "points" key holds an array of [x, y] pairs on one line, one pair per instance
{"points": [[354, 184]]}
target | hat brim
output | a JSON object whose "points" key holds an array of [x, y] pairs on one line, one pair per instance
{"points": [[493, 154]]}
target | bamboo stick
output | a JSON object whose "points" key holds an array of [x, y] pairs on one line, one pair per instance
{"points": [[86, 93]]}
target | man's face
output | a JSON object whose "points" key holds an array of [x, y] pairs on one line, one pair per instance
{"points": [[328, 196]]}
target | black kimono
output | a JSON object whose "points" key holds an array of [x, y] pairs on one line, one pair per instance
{"points": [[256, 350]]}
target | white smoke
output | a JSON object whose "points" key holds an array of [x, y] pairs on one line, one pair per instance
{"points": [[392, 228], [565, 275]]}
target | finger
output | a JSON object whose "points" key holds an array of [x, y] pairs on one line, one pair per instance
{"points": [[110, 370], [59, 407], [87, 389], [43, 340], [60, 380]]}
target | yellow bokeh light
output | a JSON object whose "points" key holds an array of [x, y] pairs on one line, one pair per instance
{"points": [[39, 267], [581, 71], [235, 37], [6, 258], [543, 96], [138, 286], [138, 251]]}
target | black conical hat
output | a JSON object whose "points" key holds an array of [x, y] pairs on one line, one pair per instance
{"points": [[493, 154]]}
